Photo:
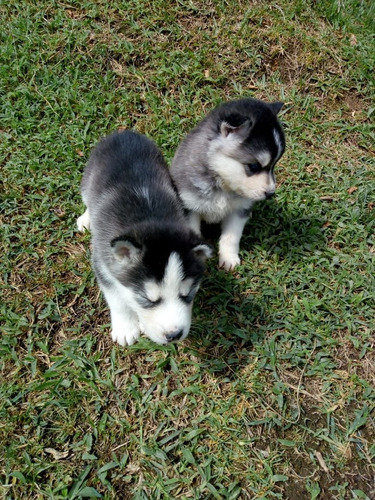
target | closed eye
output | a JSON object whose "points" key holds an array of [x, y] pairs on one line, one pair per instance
{"points": [[147, 303], [252, 168], [188, 299]]}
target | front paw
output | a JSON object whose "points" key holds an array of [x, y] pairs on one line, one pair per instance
{"points": [[125, 335], [229, 261], [83, 222]]}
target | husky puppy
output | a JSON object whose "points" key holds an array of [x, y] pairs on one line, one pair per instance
{"points": [[225, 165], [147, 260]]}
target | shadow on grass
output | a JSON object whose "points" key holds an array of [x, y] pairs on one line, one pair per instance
{"points": [[237, 311], [277, 228], [281, 229]]}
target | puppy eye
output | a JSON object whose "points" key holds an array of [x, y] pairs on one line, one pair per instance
{"points": [[188, 299], [149, 304], [155, 302], [253, 168]]}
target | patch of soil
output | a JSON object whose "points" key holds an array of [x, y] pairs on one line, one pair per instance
{"points": [[318, 463], [353, 102]]}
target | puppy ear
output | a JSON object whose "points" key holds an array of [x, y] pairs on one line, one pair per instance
{"points": [[202, 251], [276, 107], [125, 249], [239, 133]]}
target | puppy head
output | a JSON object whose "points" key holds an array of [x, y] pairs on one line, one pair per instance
{"points": [[249, 141], [163, 269]]}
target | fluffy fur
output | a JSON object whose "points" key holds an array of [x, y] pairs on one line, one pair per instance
{"points": [[147, 260], [225, 165]]}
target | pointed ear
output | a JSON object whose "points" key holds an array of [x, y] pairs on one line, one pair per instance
{"points": [[276, 107], [202, 251], [239, 133], [125, 249]]}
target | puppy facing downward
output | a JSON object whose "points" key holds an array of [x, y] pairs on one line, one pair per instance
{"points": [[147, 260], [225, 165]]}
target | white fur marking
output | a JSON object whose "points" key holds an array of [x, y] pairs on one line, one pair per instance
{"points": [[152, 291], [234, 178], [185, 286], [212, 208], [171, 316], [229, 244], [264, 158], [125, 323], [173, 275], [278, 142], [83, 222]]}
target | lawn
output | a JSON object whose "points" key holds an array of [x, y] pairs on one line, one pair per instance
{"points": [[272, 396]]}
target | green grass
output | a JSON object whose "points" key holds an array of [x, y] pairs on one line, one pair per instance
{"points": [[272, 395]]}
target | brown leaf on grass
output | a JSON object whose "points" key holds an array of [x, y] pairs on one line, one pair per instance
{"points": [[321, 461], [353, 40], [352, 189], [57, 455], [132, 468]]}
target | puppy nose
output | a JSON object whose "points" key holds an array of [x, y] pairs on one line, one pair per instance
{"points": [[269, 194], [174, 335]]}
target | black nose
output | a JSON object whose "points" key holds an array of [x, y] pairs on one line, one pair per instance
{"points": [[269, 194], [174, 335]]}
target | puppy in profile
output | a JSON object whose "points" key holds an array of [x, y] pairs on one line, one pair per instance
{"points": [[147, 260], [225, 165]]}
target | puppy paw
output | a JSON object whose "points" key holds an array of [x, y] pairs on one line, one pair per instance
{"points": [[83, 222], [229, 261], [125, 336]]}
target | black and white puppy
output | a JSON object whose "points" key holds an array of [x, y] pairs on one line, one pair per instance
{"points": [[147, 260], [225, 165]]}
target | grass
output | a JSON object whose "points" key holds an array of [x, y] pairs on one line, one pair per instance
{"points": [[272, 395]]}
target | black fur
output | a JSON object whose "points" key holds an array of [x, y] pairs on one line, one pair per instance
{"points": [[130, 196]]}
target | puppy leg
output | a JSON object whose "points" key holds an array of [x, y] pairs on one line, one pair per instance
{"points": [[83, 222], [125, 323], [229, 243]]}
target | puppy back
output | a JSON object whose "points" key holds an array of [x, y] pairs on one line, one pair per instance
{"points": [[124, 157]]}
